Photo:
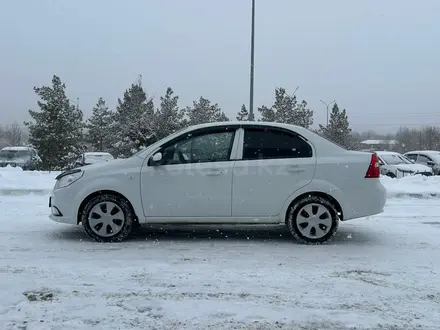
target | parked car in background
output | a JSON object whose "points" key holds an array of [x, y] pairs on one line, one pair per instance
{"points": [[25, 157], [89, 158], [429, 158], [396, 165], [224, 173]]}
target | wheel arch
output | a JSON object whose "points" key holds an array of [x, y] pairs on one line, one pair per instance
{"points": [[318, 194], [101, 192]]}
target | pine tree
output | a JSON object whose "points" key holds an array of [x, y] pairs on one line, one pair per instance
{"points": [[303, 116], [243, 114], [134, 122], [169, 118], [284, 106], [99, 127], [56, 130], [338, 129], [203, 111], [267, 114], [287, 110]]}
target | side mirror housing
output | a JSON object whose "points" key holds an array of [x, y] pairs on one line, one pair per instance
{"points": [[157, 157], [431, 163]]}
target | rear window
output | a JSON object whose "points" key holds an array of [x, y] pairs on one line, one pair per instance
{"points": [[261, 143], [392, 159]]}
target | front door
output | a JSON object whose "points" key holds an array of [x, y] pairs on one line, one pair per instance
{"points": [[194, 177], [274, 165]]}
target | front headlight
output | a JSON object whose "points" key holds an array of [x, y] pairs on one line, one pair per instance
{"points": [[67, 178]]}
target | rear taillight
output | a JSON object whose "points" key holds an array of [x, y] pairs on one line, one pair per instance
{"points": [[373, 169]]}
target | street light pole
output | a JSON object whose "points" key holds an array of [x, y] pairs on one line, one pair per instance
{"points": [[327, 105], [251, 91]]}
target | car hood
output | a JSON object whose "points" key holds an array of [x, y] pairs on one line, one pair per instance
{"points": [[413, 168], [20, 160]]}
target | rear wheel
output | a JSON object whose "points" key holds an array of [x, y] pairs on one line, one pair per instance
{"points": [[313, 220], [108, 218]]}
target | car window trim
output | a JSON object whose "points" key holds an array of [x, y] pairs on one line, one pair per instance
{"points": [[199, 132], [278, 129]]}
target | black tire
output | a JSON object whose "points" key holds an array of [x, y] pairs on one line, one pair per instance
{"points": [[123, 204], [296, 208]]}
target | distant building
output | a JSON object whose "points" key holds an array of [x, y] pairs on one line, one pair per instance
{"points": [[378, 144]]}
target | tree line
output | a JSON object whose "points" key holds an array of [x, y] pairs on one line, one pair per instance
{"points": [[59, 131], [12, 135]]}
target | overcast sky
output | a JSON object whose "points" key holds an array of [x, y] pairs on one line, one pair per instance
{"points": [[380, 59]]}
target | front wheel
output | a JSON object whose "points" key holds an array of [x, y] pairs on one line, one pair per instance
{"points": [[313, 220], [108, 218]]}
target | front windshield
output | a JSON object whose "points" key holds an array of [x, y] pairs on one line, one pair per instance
{"points": [[14, 154], [395, 159]]}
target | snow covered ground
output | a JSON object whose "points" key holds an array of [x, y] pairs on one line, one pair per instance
{"points": [[378, 273]]}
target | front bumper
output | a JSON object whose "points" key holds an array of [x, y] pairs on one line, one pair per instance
{"points": [[59, 211]]}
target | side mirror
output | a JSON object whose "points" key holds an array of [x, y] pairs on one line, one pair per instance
{"points": [[431, 163], [157, 157]]}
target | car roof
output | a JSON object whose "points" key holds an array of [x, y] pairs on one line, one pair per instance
{"points": [[17, 148], [247, 123], [427, 152], [387, 153]]}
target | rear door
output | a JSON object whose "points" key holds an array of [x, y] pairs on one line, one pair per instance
{"points": [[274, 164], [425, 160]]}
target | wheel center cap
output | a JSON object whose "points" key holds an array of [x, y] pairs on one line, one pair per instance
{"points": [[314, 220]]}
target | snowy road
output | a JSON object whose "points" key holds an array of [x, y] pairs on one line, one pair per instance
{"points": [[378, 273]]}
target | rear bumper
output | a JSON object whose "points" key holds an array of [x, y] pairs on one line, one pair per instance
{"points": [[368, 201]]}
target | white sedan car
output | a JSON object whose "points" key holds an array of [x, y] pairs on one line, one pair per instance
{"points": [[396, 165], [228, 173]]}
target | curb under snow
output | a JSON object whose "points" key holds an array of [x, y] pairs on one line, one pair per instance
{"points": [[425, 195], [23, 192]]}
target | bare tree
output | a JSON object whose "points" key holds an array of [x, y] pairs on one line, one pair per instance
{"points": [[13, 135]]}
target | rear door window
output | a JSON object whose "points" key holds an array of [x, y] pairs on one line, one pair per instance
{"points": [[265, 143]]}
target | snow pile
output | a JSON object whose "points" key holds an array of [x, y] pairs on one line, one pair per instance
{"points": [[15, 181], [412, 186]]}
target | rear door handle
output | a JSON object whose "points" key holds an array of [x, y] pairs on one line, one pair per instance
{"points": [[213, 173], [294, 169]]}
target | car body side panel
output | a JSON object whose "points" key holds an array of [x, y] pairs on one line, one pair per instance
{"points": [[342, 176], [122, 177]]}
